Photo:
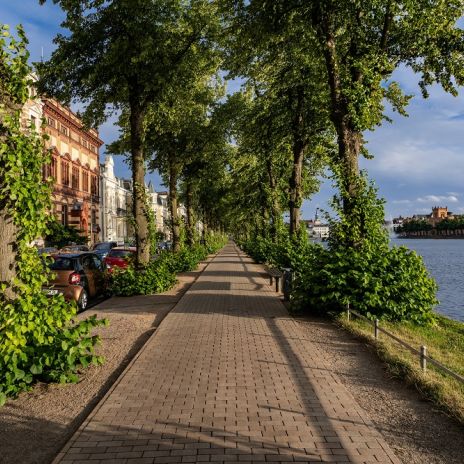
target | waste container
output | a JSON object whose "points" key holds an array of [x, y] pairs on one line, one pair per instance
{"points": [[287, 282]]}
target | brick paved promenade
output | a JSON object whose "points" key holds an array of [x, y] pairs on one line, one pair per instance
{"points": [[228, 377]]}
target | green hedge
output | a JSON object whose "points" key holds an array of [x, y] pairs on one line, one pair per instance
{"points": [[160, 274]]}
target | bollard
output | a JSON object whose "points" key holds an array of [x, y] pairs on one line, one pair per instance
{"points": [[423, 358], [348, 315], [376, 329]]}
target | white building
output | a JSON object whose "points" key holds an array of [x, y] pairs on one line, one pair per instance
{"points": [[159, 204], [320, 230], [116, 195]]}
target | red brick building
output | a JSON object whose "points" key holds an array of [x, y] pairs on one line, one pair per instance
{"points": [[75, 167]]}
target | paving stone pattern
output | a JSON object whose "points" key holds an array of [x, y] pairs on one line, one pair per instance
{"points": [[228, 377]]}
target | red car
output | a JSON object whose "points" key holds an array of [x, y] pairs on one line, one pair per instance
{"points": [[120, 257]]}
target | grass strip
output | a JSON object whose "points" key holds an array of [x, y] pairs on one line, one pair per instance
{"points": [[444, 342]]}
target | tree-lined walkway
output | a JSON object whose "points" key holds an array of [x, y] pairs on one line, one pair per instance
{"points": [[228, 377]]}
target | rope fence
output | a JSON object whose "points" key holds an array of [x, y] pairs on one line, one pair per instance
{"points": [[421, 352]]}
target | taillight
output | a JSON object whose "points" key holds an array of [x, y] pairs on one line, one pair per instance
{"points": [[75, 278]]}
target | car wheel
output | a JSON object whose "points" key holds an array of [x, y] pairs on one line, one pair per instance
{"points": [[83, 300]]}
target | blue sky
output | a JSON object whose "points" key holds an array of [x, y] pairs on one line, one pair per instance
{"points": [[418, 161]]}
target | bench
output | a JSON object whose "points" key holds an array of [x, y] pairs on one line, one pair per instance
{"points": [[274, 274]]}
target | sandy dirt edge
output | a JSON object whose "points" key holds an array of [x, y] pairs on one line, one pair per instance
{"points": [[35, 426], [417, 432]]}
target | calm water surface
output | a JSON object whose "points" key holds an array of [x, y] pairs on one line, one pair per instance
{"points": [[445, 261]]}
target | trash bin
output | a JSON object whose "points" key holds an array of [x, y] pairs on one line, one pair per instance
{"points": [[287, 282]]}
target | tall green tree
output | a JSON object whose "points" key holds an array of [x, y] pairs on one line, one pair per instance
{"points": [[283, 71], [126, 54], [362, 44], [178, 127], [178, 140]]}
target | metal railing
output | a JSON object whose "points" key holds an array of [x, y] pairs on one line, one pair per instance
{"points": [[421, 352]]}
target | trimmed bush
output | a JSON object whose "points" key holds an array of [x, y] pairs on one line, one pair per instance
{"points": [[156, 277], [358, 267]]}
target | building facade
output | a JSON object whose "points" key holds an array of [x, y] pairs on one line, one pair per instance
{"points": [[76, 169], [115, 206], [159, 204]]}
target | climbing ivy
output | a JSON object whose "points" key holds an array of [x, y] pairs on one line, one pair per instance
{"points": [[39, 339]]}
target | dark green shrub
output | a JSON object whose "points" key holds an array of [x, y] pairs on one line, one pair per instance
{"points": [[360, 268], [214, 242], [160, 274], [156, 277]]}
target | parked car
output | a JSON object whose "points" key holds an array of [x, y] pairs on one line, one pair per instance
{"points": [[103, 248], [74, 248], [120, 257], [165, 245], [78, 276]]}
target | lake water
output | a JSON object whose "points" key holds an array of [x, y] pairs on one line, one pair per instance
{"points": [[445, 261]]}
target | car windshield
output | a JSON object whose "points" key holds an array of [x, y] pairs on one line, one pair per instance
{"points": [[61, 264], [102, 246], [120, 253]]}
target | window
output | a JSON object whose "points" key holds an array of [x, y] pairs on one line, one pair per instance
{"points": [[64, 129], [94, 218], [75, 178], [84, 142], [64, 172], [33, 121], [64, 215], [59, 263], [94, 186], [53, 165], [88, 263], [97, 263], [46, 171], [85, 182], [49, 170], [93, 148], [51, 122]]}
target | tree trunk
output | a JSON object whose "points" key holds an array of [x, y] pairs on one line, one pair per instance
{"points": [[349, 140], [205, 227], [138, 178], [299, 145], [190, 218], [8, 232], [173, 206], [274, 203], [295, 188]]}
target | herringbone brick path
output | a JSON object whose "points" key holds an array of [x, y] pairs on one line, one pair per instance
{"points": [[228, 377]]}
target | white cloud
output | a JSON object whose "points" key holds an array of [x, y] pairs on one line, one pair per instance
{"points": [[437, 199]]}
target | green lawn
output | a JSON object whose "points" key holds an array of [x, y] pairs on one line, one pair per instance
{"points": [[444, 342]]}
